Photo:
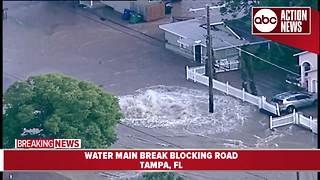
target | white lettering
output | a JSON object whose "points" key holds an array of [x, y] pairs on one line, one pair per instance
{"points": [[226, 155], [154, 165], [126, 155]]}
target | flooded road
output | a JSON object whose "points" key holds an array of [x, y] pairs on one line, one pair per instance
{"points": [[162, 109], [180, 115]]}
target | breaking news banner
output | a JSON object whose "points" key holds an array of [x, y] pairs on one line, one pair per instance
{"points": [[161, 160], [48, 143]]}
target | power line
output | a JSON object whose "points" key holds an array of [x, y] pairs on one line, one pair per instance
{"points": [[159, 40], [244, 22], [251, 54]]}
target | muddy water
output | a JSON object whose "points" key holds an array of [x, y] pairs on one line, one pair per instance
{"points": [[172, 107], [181, 116]]}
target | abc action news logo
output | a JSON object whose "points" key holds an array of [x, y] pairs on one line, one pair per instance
{"points": [[281, 20], [48, 143]]}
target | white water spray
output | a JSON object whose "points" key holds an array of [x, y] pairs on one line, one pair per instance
{"points": [[178, 107]]}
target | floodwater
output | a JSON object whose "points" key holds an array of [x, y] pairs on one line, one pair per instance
{"points": [[172, 107], [161, 108], [180, 115]]}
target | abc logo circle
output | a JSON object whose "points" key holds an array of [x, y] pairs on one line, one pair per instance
{"points": [[265, 20]]}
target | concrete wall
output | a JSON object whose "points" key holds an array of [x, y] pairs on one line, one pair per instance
{"points": [[311, 77], [313, 81], [173, 45], [180, 51], [171, 38], [310, 58]]}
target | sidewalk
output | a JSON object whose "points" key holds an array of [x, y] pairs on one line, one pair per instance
{"points": [[149, 28]]}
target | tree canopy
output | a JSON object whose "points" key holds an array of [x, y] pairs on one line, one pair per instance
{"points": [[235, 6], [60, 107], [279, 54], [161, 176]]}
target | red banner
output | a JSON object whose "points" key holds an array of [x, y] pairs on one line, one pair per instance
{"points": [[304, 42], [162, 160]]}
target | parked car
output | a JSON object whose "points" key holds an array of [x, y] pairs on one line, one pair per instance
{"points": [[289, 101]]}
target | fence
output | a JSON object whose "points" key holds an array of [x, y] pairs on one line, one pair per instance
{"points": [[283, 120], [222, 66], [197, 75], [227, 65], [295, 118]]}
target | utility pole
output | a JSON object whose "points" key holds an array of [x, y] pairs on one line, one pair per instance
{"points": [[210, 54], [209, 49]]}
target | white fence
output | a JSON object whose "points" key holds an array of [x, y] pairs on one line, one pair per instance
{"points": [[283, 120], [226, 65], [295, 118], [197, 75]]}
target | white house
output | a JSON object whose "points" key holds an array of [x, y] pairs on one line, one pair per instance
{"points": [[308, 63], [188, 38]]}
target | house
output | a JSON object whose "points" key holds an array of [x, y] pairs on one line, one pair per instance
{"points": [[308, 63], [188, 38]]}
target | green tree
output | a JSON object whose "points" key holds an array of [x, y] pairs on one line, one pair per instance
{"points": [[247, 74], [161, 176], [278, 54], [235, 6], [61, 107]]}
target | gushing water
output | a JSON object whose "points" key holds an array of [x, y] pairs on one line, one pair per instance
{"points": [[183, 108]]}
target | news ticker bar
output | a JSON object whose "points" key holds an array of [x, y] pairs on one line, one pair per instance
{"points": [[159, 159]]}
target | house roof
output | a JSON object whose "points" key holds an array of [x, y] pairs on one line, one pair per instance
{"points": [[194, 32]]}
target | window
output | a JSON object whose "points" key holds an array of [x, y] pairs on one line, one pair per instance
{"points": [[292, 98], [301, 97]]}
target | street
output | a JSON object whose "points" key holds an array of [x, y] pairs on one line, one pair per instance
{"points": [[43, 37]]}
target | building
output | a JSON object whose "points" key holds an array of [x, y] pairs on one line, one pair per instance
{"points": [[308, 63], [188, 38]]}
